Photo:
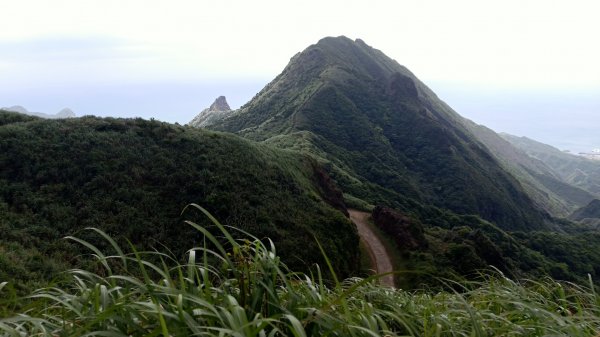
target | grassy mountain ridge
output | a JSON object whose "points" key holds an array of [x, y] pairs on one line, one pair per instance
{"points": [[589, 214], [575, 170], [132, 178], [386, 138], [377, 123], [547, 187]]}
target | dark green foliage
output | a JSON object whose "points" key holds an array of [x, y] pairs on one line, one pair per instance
{"points": [[132, 178], [462, 246], [570, 255], [7, 117]]}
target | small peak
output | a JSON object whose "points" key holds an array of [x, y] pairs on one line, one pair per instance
{"points": [[17, 108], [217, 111], [220, 104], [65, 113]]}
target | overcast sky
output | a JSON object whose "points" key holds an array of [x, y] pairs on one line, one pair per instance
{"points": [[525, 67]]}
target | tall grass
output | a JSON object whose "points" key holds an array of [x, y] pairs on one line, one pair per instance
{"points": [[232, 287]]}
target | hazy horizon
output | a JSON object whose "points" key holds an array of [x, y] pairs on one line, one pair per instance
{"points": [[525, 68], [521, 113]]}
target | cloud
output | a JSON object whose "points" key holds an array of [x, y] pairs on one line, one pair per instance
{"points": [[59, 60], [52, 49]]}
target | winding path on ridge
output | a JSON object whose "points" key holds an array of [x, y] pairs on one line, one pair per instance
{"points": [[379, 256]]}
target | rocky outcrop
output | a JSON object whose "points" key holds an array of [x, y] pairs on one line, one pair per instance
{"points": [[328, 189], [217, 111], [407, 233], [220, 104]]}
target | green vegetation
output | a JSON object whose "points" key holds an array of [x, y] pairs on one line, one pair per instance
{"points": [[241, 288], [466, 246], [571, 255], [131, 178]]}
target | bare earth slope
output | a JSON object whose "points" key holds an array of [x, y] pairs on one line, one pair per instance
{"points": [[379, 255]]}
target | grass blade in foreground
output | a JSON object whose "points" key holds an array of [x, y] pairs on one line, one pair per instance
{"points": [[240, 288]]}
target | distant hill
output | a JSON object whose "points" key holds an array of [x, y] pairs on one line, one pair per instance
{"points": [[133, 177], [64, 113], [548, 188], [589, 214], [576, 170], [385, 135]]}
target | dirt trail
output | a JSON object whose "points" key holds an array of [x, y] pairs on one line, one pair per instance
{"points": [[379, 256]]}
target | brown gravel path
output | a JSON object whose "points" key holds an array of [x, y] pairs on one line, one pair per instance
{"points": [[379, 256]]}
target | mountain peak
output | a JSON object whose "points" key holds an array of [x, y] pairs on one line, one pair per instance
{"points": [[330, 39], [350, 100], [220, 104], [217, 111]]}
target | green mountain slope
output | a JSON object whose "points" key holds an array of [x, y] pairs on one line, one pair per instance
{"points": [[575, 170], [387, 137], [547, 188], [132, 178], [589, 214]]}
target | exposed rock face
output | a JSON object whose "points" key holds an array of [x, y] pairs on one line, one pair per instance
{"points": [[217, 111], [64, 113], [220, 104], [406, 232], [329, 190]]}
